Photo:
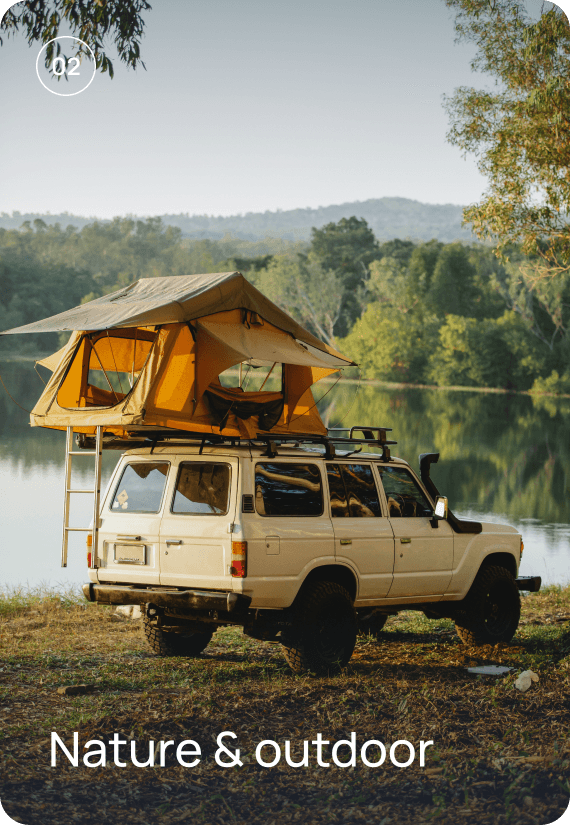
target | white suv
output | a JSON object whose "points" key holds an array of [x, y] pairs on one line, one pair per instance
{"points": [[304, 544]]}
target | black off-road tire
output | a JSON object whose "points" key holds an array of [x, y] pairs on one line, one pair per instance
{"points": [[492, 610], [170, 644], [324, 629], [371, 624]]}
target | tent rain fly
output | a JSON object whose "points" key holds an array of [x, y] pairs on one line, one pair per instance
{"points": [[150, 356]]}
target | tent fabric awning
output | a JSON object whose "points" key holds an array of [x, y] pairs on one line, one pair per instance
{"points": [[265, 342], [150, 356], [181, 298]]}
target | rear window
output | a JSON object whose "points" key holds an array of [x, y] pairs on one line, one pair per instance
{"points": [[140, 488], [284, 489], [202, 487]]}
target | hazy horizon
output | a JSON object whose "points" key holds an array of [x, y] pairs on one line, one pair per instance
{"points": [[246, 107]]}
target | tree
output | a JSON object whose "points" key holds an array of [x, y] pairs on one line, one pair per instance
{"points": [[543, 303], [486, 353], [389, 345], [519, 131], [347, 248], [453, 286], [91, 21], [305, 289], [435, 278]]}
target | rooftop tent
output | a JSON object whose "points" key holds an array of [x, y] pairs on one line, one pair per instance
{"points": [[150, 356]]}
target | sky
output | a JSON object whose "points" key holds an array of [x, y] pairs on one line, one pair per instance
{"points": [[245, 106]]}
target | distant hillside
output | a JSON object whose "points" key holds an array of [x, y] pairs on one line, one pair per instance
{"points": [[388, 218]]}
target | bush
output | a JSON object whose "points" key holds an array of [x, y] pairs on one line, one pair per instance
{"points": [[554, 384], [491, 352], [389, 344]]}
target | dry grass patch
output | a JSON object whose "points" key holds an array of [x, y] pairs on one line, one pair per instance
{"points": [[498, 756]]}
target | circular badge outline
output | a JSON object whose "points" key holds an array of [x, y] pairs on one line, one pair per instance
{"points": [[65, 37]]}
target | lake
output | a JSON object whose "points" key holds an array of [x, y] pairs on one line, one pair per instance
{"points": [[503, 458]]}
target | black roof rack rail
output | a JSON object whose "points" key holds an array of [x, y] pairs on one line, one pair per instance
{"points": [[371, 435], [368, 436]]}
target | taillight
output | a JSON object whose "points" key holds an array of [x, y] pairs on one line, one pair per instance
{"points": [[521, 550], [239, 559], [89, 543]]}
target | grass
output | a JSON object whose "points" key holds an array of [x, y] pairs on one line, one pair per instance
{"points": [[21, 599], [499, 756]]}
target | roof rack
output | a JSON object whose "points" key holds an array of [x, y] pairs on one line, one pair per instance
{"points": [[371, 435]]}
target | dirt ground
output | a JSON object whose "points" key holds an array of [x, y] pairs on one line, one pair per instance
{"points": [[498, 755]]}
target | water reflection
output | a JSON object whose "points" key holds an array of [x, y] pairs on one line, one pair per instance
{"points": [[503, 459], [503, 454]]}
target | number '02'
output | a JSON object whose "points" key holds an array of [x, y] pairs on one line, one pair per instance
{"points": [[60, 62]]}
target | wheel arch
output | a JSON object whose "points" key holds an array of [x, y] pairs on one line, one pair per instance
{"points": [[503, 560], [341, 574]]}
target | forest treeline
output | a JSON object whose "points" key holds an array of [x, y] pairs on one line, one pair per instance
{"points": [[423, 313], [387, 217]]}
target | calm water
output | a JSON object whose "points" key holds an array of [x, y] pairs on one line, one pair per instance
{"points": [[502, 459]]}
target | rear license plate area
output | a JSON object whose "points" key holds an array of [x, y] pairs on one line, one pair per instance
{"points": [[130, 554]]}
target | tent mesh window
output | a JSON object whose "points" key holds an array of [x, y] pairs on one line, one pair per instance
{"points": [[105, 368]]}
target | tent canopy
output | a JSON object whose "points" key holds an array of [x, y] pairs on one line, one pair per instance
{"points": [[157, 301], [150, 356]]}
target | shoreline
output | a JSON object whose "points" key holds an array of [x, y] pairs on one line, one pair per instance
{"points": [[395, 385], [388, 385]]}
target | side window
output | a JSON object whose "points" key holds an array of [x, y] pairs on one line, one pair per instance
{"points": [[284, 489], [404, 497], [352, 490], [337, 492], [141, 487], [202, 487]]}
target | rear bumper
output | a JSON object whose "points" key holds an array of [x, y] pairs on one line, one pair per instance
{"points": [[182, 601], [528, 583]]}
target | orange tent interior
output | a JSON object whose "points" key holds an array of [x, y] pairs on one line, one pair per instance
{"points": [[131, 379]]}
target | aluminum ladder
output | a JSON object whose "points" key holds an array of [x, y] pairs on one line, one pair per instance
{"points": [[96, 491]]}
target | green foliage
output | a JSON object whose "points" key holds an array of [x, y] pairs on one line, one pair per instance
{"points": [[421, 266], [434, 277], [439, 317], [389, 344], [45, 269], [254, 264], [92, 22], [424, 313], [554, 384], [33, 285], [346, 249], [19, 599], [306, 290], [486, 353], [452, 286], [542, 301], [519, 131]]}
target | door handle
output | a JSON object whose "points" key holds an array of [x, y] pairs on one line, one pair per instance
{"points": [[173, 542], [405, 541], [345, 541]]}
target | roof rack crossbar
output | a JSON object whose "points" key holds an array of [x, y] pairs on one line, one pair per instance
{"points": [[368, 432], [371, 435]]}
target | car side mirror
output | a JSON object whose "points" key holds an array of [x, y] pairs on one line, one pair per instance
{"points": [[441, 507]]}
